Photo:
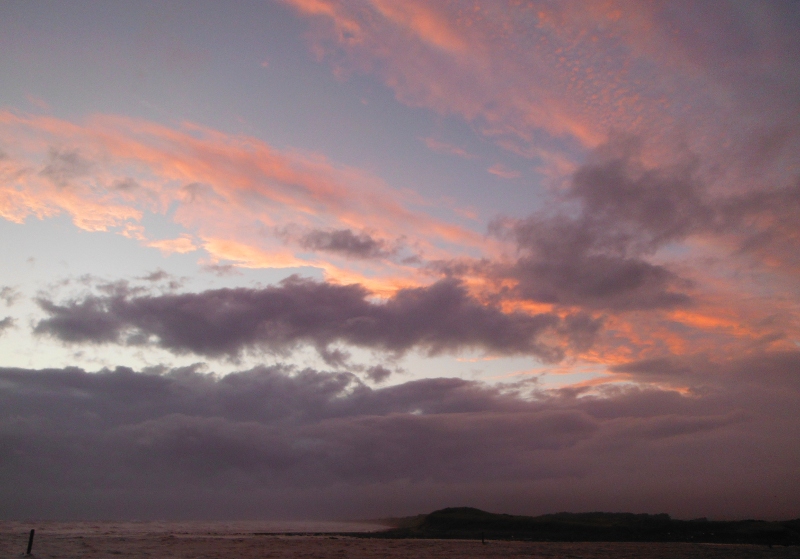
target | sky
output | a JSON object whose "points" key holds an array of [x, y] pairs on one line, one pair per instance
{"points": [[341, 259]]}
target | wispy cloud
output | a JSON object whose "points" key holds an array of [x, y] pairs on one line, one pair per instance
{"points": [[444, 147], [225, 190], [532, 73], [500, 170], [181, 245]]}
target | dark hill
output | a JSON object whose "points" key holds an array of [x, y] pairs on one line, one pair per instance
{"points": [[471, 523]]}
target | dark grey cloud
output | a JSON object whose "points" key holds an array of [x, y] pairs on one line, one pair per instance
{"points": [[659, 368], [6, 323], [441, 317], [378, 373], [81, 321], [765, 222], [222, 269], [346, 243], [693, 370], [64, 165], [277, 441], [594, 250], [562, 273], [157, 275]]}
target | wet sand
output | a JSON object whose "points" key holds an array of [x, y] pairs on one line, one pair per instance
{"points": [[102, 541]]}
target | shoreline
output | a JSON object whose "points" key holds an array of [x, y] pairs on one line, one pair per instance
{"points": [[330, 545]]}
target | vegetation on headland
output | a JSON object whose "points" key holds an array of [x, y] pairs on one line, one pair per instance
{"points": [[471, 523]]}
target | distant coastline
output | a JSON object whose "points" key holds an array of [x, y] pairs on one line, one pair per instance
{"points": [[472, 523]]}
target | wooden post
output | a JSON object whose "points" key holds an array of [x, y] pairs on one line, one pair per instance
{"points": [[30, 542]]}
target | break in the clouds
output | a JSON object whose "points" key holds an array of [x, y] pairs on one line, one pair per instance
{"points": [[275, 441], [441, 317]]}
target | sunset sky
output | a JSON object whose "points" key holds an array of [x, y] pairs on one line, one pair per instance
{"points": [[361, 258]]}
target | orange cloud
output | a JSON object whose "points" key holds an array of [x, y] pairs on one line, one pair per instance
{"points": [[237, 193], [181, 245], [512, 69], [524, 72], [429, 26]]}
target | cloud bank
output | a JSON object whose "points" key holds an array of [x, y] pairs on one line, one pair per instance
{"points": [[280, 442]]}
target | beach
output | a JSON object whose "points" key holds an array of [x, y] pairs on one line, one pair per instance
{"points": [[251, 540]]}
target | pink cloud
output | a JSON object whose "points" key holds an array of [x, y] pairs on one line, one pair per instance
{"points": [[180, 245], [38, 102], [500, 170], [479, 61], [444, 147], [431, 27], [108, 172], [578, 71]]}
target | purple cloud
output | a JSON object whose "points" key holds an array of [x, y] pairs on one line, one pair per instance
{"points": [[346, 243], [438, 318], [594, 249], [276, 440]]}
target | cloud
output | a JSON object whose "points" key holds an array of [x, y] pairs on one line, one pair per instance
{"points": [[644, 207], [80, 322], [157, 275], [448, 59], [444, 147], [561, 269], [537, 71], [9, 295], [595, 245], [595, 256], [115, 442], [345, 242], [221, 270], [440, 318], [500, 170], [63, 166], [6, 323], [667, 226], [181, 245], [225, 191], [715, 371], [126, 184], [378, 373], [37, 102]]}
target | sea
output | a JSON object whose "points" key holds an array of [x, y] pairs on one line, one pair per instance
{"points": [[315, 539]]}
